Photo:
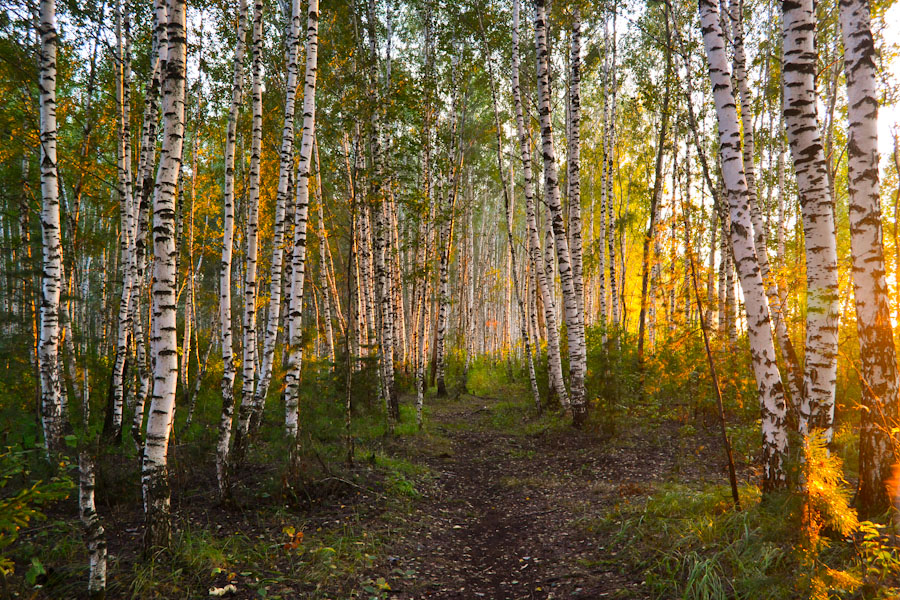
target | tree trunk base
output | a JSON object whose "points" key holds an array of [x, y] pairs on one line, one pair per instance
{"points": [[579, 416]]}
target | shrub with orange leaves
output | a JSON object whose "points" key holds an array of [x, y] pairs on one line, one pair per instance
{"points": [[825, 503]]}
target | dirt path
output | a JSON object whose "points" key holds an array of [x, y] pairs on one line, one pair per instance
{"points": [[510, 516]]}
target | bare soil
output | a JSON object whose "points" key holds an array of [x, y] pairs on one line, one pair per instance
{"points": [[513, 515]]}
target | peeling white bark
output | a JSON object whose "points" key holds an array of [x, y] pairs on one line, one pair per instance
{"points": [[163, 338], [762, 349], [298, 257], [873, 323], [574, 319], [817, 207], [51, 280]]}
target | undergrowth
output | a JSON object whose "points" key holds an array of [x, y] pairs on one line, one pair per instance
{"points": [[691, 543], [310, 533], [307, 533]]}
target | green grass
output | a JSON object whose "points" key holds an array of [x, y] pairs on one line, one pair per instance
{"points": [[692, 544]]}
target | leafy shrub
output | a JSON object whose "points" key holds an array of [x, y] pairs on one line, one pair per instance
{"points": [[19, 507], [825, 503]]}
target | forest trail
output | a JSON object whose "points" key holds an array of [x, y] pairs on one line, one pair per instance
{"points": [[513, 514]]}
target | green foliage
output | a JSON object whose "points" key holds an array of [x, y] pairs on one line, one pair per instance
{"points": [[494, 376], [612, 382], [18, 508], [692, 543], [879, 561], [845, 443]]}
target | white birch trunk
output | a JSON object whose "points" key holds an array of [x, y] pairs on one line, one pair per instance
{"points": [[367, 299], [163, 338], [94, 535], [817, 206], [228, 367], [298, 257], [51, 280], [448, 207], [605, 173], [534, 243], [323, 263], [762, 349], [794, 379], [651, 251], [381, 245], [610, 155], [286, 164], [398, 305], [710, 285], [424, 234], [189, 304], [876, 341], [508, 207], [249, 351], [724, 252], [573, 161], [574, 320], [445, 239], [143, 187], [127, 223], [192, 398]]}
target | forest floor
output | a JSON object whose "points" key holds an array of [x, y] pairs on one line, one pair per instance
{"points": [[518, 507], [489, 501]]}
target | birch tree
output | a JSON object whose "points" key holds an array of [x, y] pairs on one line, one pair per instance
{"points": [[423, 233], [381, 245], [142, 190], [324, 253], [651, 236], [228, 368], [573, 162], [285, 165], [794, 377], [574, 320], [605, 174], [762, 349], [51, 280], [817, 207], [127, 220], [447, 201], [873, 323], [609, 159], [94, 535], [163, 338], [190, 302], [554, 360], [508, 209], [249, 355], [298, 257]]}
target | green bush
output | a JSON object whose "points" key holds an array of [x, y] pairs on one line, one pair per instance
{"points": [[23, 505]]}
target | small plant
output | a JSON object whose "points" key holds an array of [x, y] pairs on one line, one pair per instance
{"points": [[691, 543], [376, 588], [19, 508], [402, 486], [825, 503], [295, 538], [879, 560]]}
